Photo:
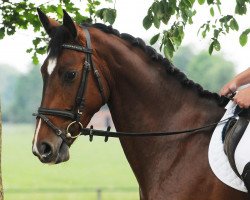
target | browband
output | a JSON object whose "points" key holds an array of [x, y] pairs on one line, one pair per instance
{"points": [[77, 48]]}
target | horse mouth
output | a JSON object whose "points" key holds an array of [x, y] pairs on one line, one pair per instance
{"points": [[61, 155]]}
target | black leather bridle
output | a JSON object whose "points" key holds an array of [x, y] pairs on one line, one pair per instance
{"points": [[76, 112]]}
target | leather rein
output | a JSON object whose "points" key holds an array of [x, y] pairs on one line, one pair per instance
{"points": [[76, 112]]}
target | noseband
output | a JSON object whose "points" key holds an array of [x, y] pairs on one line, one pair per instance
{"points": [[76, 112]]}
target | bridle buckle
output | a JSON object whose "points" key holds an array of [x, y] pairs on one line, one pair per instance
{"points": [[79, 112], [59, 132]]}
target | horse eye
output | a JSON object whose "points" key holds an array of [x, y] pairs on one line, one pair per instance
{"points": [[69, 76]]}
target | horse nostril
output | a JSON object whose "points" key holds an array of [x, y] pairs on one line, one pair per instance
{"points": [[46, 150]]}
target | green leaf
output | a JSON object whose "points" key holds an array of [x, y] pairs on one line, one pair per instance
{"points": [[59, 11], [29, 50], [181, 32], [155, 7], [188, 3], [168, 48], [234, 25], [212, 11], [110, 15], [190, 20], [35, 59], [219, 8], [97, 3], [36, 41], [2, 33], [51, 8], [201, 2], [216, 33], [147, 22], [209, 2], [216, 45], [157, 22], [41, 50], [177, 36], [211, 48], [204, 33], [243, 39], [165, 19], [226, 18], [240, 8], [99, 13], [154, 39], [160, 11]]}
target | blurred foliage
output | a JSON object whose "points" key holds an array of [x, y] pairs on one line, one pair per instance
{"points": [[22, 95], [174, 15], [8, 78], [211, 72], [23, 15], [183, 56]]}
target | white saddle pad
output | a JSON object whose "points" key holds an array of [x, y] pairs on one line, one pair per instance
{"points": [[218, 159]]}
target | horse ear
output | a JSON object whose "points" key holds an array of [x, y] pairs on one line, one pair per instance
{"points": [[69, 24], [48, 23]]}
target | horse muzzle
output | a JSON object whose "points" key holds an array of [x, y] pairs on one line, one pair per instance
{"points": [[51, 155]]}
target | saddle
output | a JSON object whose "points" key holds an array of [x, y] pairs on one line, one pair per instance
{"points": [[231, 136]]}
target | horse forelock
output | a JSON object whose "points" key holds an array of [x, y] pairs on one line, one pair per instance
{"points": [[60, 35]]}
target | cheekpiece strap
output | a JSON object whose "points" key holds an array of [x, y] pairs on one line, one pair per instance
{"points": [[96, 73]]}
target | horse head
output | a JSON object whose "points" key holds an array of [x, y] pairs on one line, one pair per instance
{"points": [[74, 88]]}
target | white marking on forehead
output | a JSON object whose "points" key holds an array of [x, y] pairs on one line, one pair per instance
{"points": [[36, 135], [51, 66]]}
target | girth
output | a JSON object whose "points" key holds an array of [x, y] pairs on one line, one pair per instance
{"points": [[76, 112]]}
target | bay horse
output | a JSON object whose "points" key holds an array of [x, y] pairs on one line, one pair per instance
{"points": [[144, 92]]}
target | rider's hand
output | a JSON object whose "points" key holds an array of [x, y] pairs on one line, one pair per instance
{"points": [[229, 88], [242, 98]]}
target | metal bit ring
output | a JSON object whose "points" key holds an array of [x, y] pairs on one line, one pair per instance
{"points": [[68, 134]]}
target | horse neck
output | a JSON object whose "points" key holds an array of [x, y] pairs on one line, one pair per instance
{"points": [[143, 98]]}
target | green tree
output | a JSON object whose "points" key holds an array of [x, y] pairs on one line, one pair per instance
{"points": [[23, 15], [27, 97], [211, 72], [172, 15], [182, 57]]}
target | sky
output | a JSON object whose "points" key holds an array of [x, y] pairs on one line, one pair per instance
{"points": [[129, 20]]}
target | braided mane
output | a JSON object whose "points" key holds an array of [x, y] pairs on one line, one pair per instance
{"points": [[170, 68]]}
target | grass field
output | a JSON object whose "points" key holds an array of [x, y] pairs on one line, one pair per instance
{"points": [[91, 166]]}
